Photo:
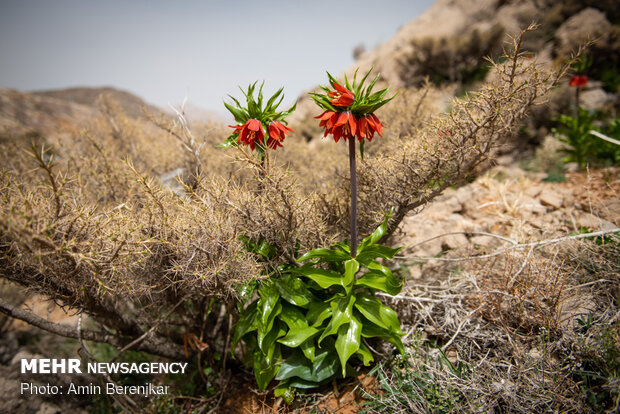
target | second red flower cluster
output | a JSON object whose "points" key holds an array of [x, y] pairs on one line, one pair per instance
{"points": [[252, 133], [346, 125]]}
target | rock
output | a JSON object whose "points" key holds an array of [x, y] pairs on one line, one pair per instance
{"points": [[534, 190], [552, 199], [588, 24], [454, 241], [595, 98], [533, 206], [484, 241], [590, 221]]}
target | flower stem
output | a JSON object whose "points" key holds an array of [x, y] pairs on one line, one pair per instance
{"points": [[353, 175]]}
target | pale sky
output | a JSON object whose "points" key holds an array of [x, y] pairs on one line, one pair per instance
{"points": [[165, 50]]}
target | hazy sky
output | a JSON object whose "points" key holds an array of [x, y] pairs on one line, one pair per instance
{"points": [[165, 50]]}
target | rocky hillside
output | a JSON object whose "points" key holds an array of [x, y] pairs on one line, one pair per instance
{"points": [[448, 43]]}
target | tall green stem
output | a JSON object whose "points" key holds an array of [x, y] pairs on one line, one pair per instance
{"points": [[353, 175]]}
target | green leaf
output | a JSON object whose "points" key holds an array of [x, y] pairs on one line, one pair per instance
{"points": [[308, 349], [369, 305], [329, 255], [324, 278], [364, 354], [292, 317], [268, 299], [370, 330], [285, 391], [379, 281], [263, 371], [342, 312], [348, 341], [294, 290], [247, 323], [269, 345], [318, 312], [351, 267], [325, 366], [265, 328], [295, 337], [296, 365], [378, 233], [371, 252]]}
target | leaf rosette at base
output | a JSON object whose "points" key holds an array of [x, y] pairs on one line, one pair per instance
{"points": [[302, 314]]}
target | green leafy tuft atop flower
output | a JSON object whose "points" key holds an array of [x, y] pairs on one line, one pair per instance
{"points": [[258, 119]]}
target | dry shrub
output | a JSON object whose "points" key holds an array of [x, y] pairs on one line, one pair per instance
{"points": [[98, 232]]}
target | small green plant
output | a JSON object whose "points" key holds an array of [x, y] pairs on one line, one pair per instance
{"points": [[575, 132], [303, 314]]}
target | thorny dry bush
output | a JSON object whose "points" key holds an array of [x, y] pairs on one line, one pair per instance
{"points": [[90, 225]]}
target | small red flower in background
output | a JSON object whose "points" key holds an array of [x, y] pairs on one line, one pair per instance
{"points": [[341, 96], [277, 133], [367, 126], [249, 133], [578, 81]]}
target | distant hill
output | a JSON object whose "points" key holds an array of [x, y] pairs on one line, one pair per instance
{"points": [[130, 103], [37, 116]]}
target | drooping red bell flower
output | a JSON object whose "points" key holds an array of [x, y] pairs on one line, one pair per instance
{"points": [[277, 132], [578, 81], [367, 125], [341, 96], [250, 133], [345, 127], [328, 120]]}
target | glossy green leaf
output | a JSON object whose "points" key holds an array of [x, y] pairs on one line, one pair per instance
{"points": [[308, 349], [318, 312], [370, 330], [294, 290], [378, 233], [329, 255], [292, 317], [264, 329], [371, 305], [296, 365], [371, 252], [372, 311], [342, 312], [263, 371], [324, 278], [247, 323], [295, 337], [379, 281], [351, 267], [268, 299], [269, 345], [348, 341], [325, 366], [364, 354]]}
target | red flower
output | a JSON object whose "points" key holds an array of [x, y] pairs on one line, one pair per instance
{"points": [[342, 96], [249, 133], [345, 127], [277, 133], [328, 120], [578, 80], [367, 126]]}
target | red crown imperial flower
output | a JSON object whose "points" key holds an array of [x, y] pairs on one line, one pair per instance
{"points": [[578, 80]]}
